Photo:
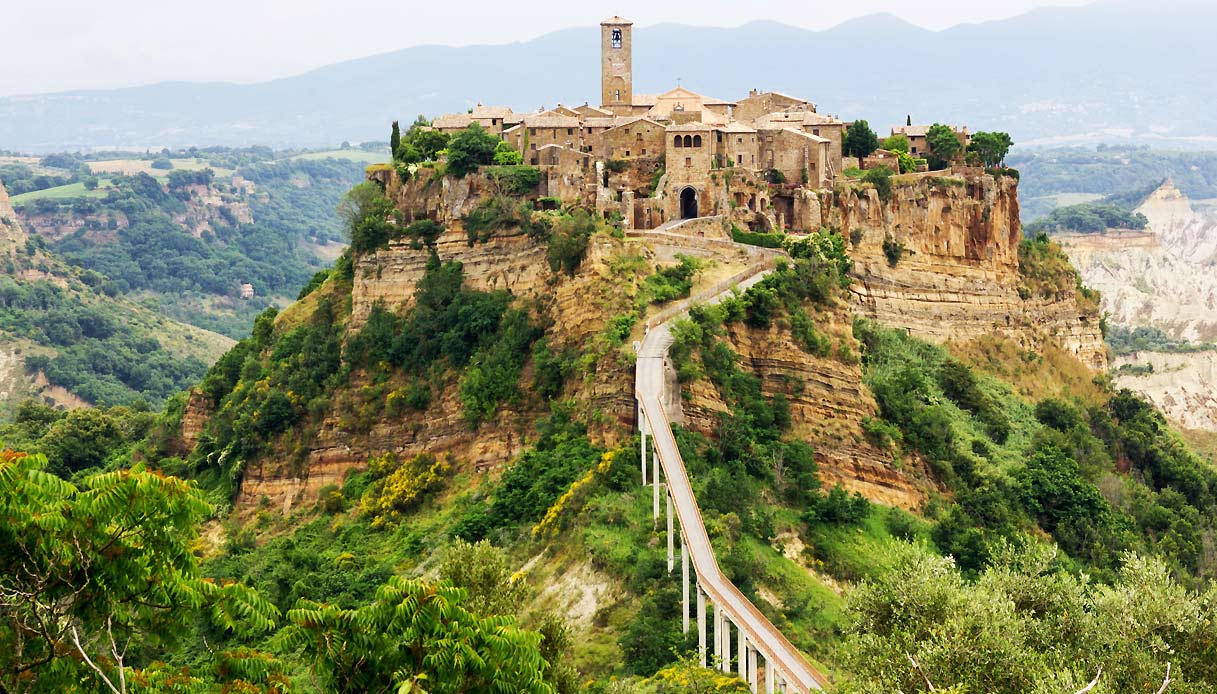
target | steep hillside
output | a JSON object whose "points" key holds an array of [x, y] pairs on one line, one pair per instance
{"points": [[68, 342]]}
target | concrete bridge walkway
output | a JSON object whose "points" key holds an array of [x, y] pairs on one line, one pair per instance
{"points": [[784, 668]]}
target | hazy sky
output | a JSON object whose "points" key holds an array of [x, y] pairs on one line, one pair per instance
{"points": [[52, 45]]}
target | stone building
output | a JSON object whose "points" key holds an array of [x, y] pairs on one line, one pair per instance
{"points": [[678, 154], [917, 133]]}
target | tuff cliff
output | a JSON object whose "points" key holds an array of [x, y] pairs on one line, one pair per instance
{"points": [[957, 278], [941, 258]]}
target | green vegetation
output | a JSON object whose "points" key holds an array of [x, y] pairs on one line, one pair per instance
{"points": [[1044, 271], [881, 178], [1123, 340], [674, 281], [1014, 468], [469, 149], [893, 250], [1025, 625], [991, 147], [420, 144], [1109, 170], [764, 239], [944, 146], [860, 141], [98, 351], [1090, 217], [896, 143]]}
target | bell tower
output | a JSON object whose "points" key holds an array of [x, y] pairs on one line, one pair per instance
{"points": [[616, 65]]}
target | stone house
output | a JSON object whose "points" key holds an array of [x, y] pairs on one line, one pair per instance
{"points": [[917, 133], [540, 129], [758, 104], [735, 146], [633, 139], [800, 156]]}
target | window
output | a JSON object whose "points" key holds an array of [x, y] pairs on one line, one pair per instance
{"points": [[688, 141], [688, 161], [617, 95], [676, 142], [815, 131], [494, 121], [532, 131], [697, 140], [616, 38], [739, 158], [534, 147], [627, 153], [644, 151], [570, 131], [740, 140], [914, 150]]}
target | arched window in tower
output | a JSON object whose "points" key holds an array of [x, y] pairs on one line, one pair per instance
{"points": [[688, 141], [677, 142], [616, 38], [697, 140], [617, 95]]}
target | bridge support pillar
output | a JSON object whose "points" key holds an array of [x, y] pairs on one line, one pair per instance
{"points": [[771, 677], [752, 668], [655, 482], [671, 549], [718, 636], [701, 625], [726, 643], [741, 656], [684, 583], [642, 430]]}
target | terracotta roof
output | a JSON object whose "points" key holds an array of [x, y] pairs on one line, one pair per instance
{"points": [[616, 20], [683, 93], [481, 111], [452, 120], [689, 128], [813, 118], [736, 127], [599, 121], [644, 99], [783, 95], [911, 130], [588, 110], [801, 133], [550, 121], [622, 122]]}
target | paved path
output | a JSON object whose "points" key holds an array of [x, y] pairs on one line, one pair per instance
{"points": [[785, 659]]}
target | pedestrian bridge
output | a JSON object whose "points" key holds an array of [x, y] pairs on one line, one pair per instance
{"points": [[762, 653]]}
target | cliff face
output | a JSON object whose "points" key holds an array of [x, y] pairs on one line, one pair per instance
{"points": [[957, 278], [940, 258], [828, 402]]}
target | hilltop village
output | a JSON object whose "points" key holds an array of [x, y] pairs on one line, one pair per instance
{"points": [[659, 158]]}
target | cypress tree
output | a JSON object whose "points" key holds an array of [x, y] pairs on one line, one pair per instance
{"points": [[395, 140]]}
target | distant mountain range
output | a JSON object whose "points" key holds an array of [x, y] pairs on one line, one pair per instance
{"points": [[1114, 71]]}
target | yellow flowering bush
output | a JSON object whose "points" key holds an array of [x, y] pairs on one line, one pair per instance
{"points": [[401, 486]]}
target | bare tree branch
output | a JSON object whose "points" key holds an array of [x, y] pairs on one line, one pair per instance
{"points": [[1093, 683], [917, 667], [89, 661], [1166, 682]]}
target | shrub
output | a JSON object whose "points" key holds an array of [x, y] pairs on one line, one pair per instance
{"points": [[506, 155], [674, 281], [881, 178], [893, 249], [758, 238], [515, 180], [469, 149], [400, 486]]}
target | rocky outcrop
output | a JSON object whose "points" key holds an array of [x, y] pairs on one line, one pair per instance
{"points": [[1182, 385], [12, 236], [827, 405], [940, 258], [1161, 277]]}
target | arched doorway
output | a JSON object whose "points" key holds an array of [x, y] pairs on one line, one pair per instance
{"points": [[688, 203]]}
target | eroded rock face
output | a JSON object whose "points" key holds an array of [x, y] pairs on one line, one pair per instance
{"points": [[827, 405], [941, 260]]}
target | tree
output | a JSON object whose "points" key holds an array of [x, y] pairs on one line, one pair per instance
{"points": [[944, 146], [992, 147], [908, 121], [93, 571], [395, 139], [481, 570], [471, 148], [415, 637], [896, 143], [506, 155], [860, 140], [365, 211]]}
